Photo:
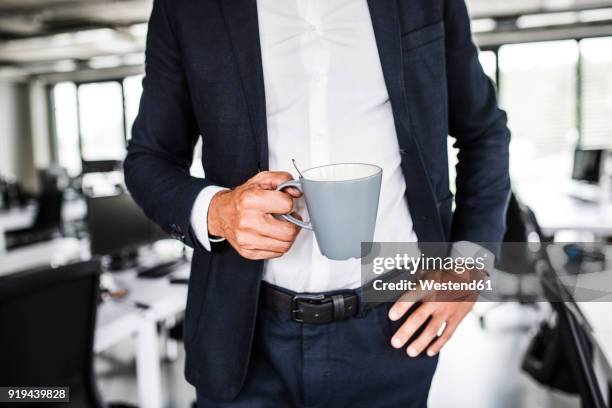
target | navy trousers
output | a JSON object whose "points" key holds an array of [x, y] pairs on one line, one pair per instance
{"points": [[343, 364]]}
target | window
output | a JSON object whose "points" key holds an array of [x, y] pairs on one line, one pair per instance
{"points": [[132, 90], [538, 88], [596, 93], [94, 120], [66, 126], [101, 121]]}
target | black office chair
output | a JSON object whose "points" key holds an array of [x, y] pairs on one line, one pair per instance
{"points": [[563, 355], [12, 195], [46, 225], [515, 258], [53, 178], [48, 320]]}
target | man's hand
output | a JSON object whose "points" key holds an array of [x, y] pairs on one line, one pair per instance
{"points": [[443, 311], [244, 217], [445, 317]]}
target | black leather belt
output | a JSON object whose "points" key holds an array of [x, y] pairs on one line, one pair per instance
{"points": [[310, 308]]}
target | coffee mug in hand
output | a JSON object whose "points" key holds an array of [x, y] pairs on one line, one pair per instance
{"points": [[342, 201]]}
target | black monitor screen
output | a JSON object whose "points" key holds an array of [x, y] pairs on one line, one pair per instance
{"points": [[117, 225], [587, 165]]}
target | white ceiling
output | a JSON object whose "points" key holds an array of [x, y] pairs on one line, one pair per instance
{"points": [[47, 34], [486, 8]]}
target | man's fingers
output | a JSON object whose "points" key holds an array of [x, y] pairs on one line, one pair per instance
{"points": [[276, 202], [259, 255], [255, 242], [411, 325], [277, 229], [442, 340], [426, 337], [269, 180], [269, 202], [399, 309], [293, 192]]}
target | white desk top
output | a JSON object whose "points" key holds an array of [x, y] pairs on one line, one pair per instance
{"points": [[55, 252], [557, 211], [115, 321], [163, 298], [22, 217], [16, 218]]}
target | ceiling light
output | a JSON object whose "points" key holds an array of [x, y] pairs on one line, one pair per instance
{"points": [[109, 61], [64, 66], [134, 59], [481, 25], [545, 20], [591, 16], [139, 30]]}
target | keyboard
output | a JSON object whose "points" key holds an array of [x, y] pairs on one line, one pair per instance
{"points": [[158, 271]]}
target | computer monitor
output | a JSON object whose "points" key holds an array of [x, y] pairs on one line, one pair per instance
{"points": [[587, 165], [118, 227]]}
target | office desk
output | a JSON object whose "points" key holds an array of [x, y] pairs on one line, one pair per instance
{"points": [[58, 251], [23, 217], [557, 211], [13, 219], [119, 320]]}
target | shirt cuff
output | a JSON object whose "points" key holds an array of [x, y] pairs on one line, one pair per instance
{"points": [[199, 216]]}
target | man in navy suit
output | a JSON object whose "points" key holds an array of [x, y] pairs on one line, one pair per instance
{"points": [[269, 320]]}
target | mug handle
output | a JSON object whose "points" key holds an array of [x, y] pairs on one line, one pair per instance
{"points": [[296, 184]]}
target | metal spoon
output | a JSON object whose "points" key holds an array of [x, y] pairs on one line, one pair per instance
{"points": [[296, 167]]}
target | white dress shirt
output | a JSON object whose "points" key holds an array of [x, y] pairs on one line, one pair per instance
{"points": [[326, 103]]}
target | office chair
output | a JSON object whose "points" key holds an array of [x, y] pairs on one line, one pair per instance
{"points": [[564, 355], [53, 178], [515, 259], [46, 224], [48, 320], [12, 194]]}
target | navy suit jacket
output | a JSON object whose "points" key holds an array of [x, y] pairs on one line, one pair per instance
{"points": [[204, 77]]}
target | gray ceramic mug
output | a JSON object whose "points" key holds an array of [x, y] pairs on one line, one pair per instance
{"points": [[342, 201]]}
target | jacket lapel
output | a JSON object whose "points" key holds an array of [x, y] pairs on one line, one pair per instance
{"points": [[421, 199], [241, 20], [385, 20]]}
